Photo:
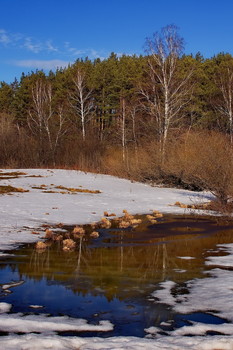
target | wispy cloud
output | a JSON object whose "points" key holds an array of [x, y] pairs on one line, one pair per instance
{"points": [[26, 42], [50, 47], [91, 53], [37, 46], [42, 64], [72, 50], [33, 47], [4, 37]]}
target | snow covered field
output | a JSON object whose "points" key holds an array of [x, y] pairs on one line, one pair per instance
{"points": [[21, 213]]}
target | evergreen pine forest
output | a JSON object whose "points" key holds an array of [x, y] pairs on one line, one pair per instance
{"points": [[166, 120]]}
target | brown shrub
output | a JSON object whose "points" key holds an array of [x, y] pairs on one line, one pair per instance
{"points": [[204, 161]]}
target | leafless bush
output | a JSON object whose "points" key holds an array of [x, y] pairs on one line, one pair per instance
{"points": [[203, 160]]}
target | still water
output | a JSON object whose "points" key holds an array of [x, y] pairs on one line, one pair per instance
{"points": [[112, 277]]}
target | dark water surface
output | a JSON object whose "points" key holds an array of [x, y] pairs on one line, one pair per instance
{"points": [[112, 277]]}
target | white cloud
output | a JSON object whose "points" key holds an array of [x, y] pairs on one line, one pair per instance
{"points": [[73, 50], [91, 53], [42, 64], [50, 46], [37, 46], [34, 47], [4, 37]]}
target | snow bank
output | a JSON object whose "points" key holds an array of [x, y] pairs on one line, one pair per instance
{"points": [[22, 213], [36, 342]]}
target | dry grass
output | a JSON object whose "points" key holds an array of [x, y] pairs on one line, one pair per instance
{"points": [[13, 173], [109, 214], [9, 189], [64, 190], [203, 161], [77, 190]]}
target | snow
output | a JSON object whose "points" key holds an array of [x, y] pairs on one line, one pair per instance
{"points": [[44, 324], [12, 284], [165, 293], [212, 294], [24, 212], [4, 307], [36, 342]]}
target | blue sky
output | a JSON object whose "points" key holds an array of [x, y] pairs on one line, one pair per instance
{"points": [[45, 34]]}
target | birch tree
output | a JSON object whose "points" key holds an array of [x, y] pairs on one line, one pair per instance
{"points": [[81, 101], [167, 92], [44, 120], [224, 105]]}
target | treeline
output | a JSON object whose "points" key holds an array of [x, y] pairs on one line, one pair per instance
{"points": [[129, 115]]}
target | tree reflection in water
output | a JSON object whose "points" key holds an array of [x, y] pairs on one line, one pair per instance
{"points": [[121, 266]]}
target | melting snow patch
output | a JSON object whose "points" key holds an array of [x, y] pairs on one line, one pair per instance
{"points": [[5, 307], [179, 270], [164, 295], [152, 330], [202, 329], [36, 306], [44, 324], [212, 294], [12, 284], [226, 260]]}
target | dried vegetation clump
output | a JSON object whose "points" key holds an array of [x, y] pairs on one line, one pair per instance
{"points": [[78, 232], [48, 233], [201, 206], [153, 218], [40, 245], [68, 244], [128, 220], [105, 223], [94, 234], [109, 214]]}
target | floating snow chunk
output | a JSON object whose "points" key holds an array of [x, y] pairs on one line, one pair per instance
{"points": [[165, 324], [12, 284], [179, 270], [36, 306], [186, 257], [152, 330], [5, 307], [43, 324], [164, 295], [201, 329], [226, 260]]}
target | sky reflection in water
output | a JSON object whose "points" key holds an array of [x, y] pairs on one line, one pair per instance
{"points": [[112, 277]]}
